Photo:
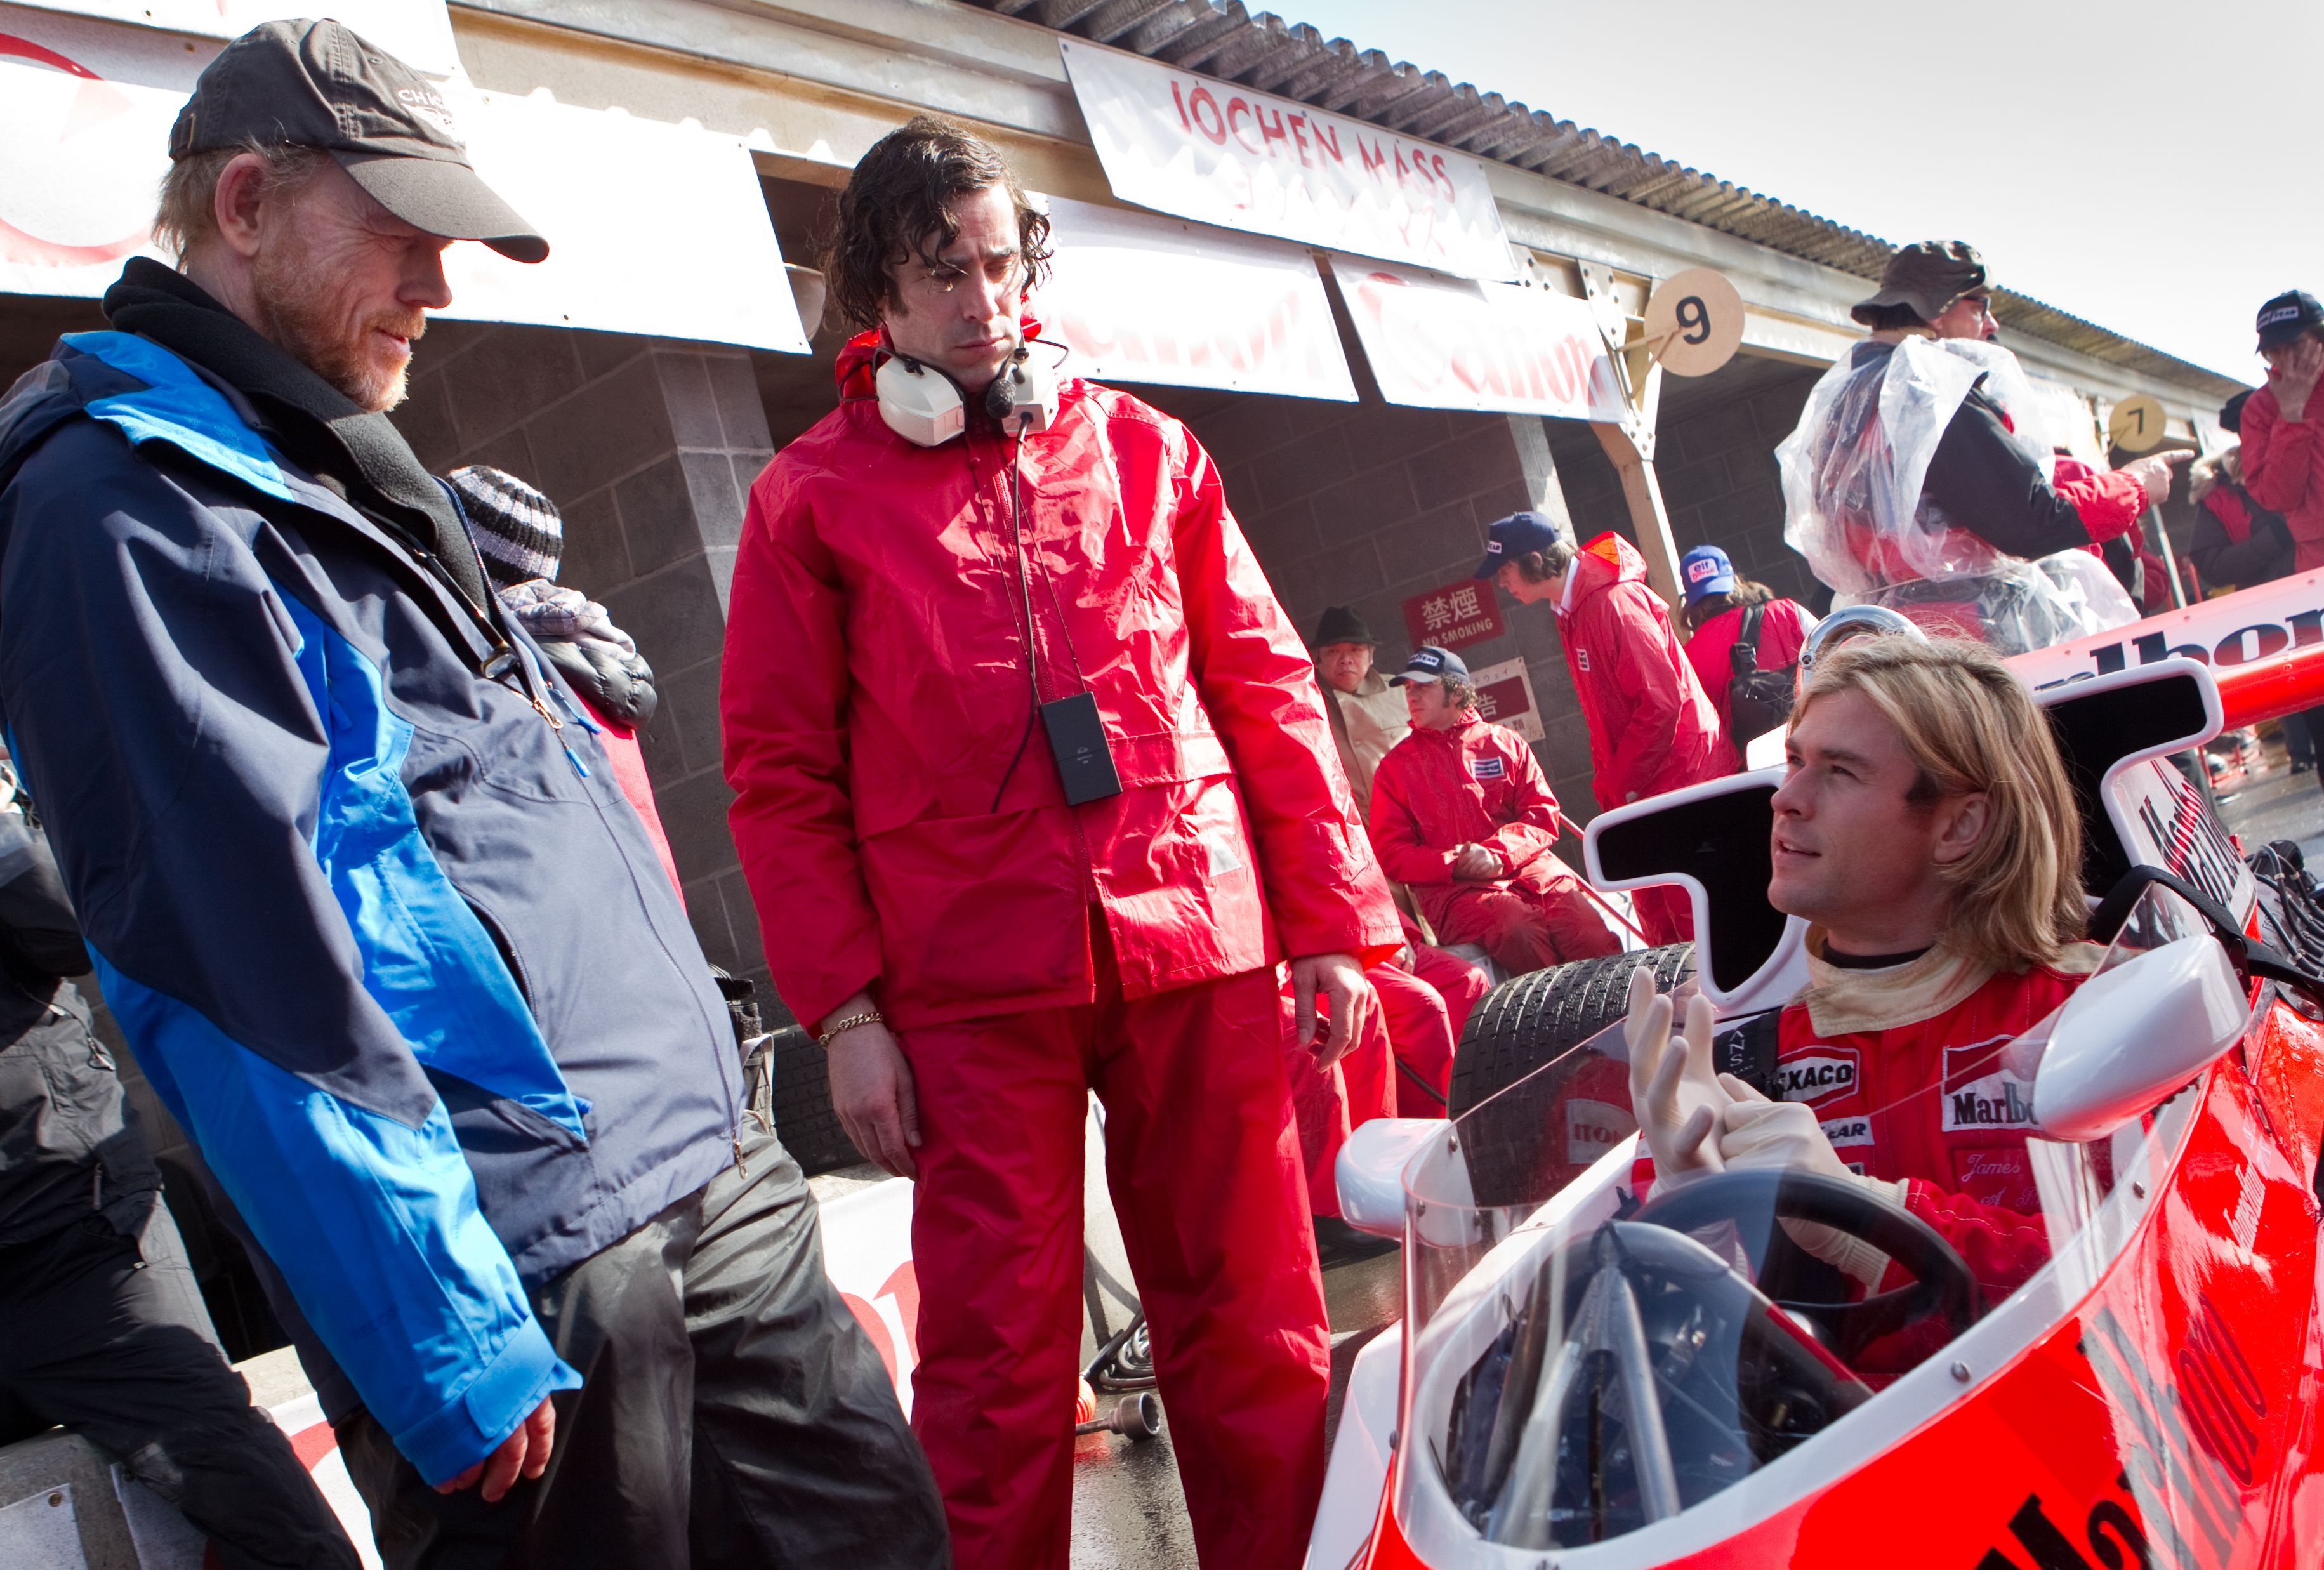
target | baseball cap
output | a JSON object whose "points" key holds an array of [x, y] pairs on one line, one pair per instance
{"points": [[1516, 535], [1705, 571], [1927, 275], [2287, 316], [2231, 413], [317, 84], [1430, 663]]}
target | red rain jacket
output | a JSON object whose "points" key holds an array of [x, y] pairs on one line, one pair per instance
{"points": [[1652, 727], [2283, 470], [1477, 783], [1782, 631], [875, 691], [2108, 502]]}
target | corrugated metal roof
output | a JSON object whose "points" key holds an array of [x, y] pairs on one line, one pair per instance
{"points": [[1294, 60]]}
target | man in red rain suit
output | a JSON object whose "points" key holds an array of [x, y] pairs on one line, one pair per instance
{"points": [[1652, 727], [1033, 789]]}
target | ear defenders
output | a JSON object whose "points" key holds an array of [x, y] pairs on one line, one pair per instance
{"points": [[924, 406]]}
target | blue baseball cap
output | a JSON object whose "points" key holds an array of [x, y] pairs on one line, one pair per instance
{"points": [[1705, 571], [1517, 535], [1430, 663]]}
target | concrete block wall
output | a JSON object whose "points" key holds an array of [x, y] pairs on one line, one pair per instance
{"points": [[1716, 459], [648, 447], [1368, 504]]}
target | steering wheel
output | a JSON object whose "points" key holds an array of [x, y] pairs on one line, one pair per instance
{"points": [[1941, 1286]]}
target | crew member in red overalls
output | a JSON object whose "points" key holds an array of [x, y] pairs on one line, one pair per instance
{"points": [[951, 603], [1652, 727]]}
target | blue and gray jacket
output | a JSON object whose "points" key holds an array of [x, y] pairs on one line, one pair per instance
{"points": [[415, 983]]}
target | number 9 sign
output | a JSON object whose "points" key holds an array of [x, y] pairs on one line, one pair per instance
{"points": [[1694, 322]]}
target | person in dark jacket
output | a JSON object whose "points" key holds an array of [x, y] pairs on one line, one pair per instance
{"points": [[1913, 480], [2238, 543], [383, 933], [102, 1328], [521, 535]]}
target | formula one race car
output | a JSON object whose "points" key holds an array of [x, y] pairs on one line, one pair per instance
{"points": [[1579, 1382]]}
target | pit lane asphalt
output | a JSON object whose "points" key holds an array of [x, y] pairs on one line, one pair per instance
{"points": [[1129, 1513], [2273, 803]]}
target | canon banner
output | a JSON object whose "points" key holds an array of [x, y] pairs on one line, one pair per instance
{"points": [[87, 109], [1212, 151], [1445, 343], [1145, 299]]}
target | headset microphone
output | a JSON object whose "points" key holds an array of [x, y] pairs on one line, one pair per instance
{"points": [[924, 406], [1023, 398]]}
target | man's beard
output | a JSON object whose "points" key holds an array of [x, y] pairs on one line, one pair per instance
{"points": [[305, 317]]}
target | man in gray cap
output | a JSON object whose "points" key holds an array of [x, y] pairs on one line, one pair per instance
{"points": [[362, 891], [1916, 478]]}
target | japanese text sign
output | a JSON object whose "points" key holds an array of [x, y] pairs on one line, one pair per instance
{"points": [[1505, 697], [1223, 155], [1455, 617]]}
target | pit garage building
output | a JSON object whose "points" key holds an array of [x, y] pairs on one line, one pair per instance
{"points": [[1374, 395]]}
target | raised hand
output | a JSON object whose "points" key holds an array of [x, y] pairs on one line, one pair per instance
{"points": [[1674, 1095]]}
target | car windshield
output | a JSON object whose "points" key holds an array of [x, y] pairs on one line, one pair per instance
{"points": [[1581, 1368]]}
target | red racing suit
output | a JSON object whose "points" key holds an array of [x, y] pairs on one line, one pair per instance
{"points": [[1652, 727], [903, 829], [1904, 1067], [1478, 784]]}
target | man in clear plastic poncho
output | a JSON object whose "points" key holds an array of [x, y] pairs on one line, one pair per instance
{"points": [[1918, 479]]}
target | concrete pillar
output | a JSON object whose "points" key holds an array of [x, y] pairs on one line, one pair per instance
{"points": [[648, 447]]}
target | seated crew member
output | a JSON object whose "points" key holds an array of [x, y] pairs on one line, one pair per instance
{"points": [[1928, 834], [1426, 992], [1914, 481], [1463, 816]]}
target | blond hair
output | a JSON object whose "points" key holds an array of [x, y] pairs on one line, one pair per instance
{"points": [[187, 213], [1969, 724]]}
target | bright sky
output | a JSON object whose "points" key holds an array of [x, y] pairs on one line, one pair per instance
{"points": [[2157, 170]]}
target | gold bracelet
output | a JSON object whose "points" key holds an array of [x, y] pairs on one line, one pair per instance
{"points": [[868, 1017]]}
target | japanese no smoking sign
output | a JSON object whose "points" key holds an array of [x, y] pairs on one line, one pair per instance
{"points": [[1453, 617]]}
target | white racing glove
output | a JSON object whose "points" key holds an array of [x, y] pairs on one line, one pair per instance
{"points": [[1677, 1099], [1757, 1134]]}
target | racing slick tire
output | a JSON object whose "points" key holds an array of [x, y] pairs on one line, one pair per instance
{"points": [[1528, 1020]]}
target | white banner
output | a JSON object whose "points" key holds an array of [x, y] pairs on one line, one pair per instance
{"points": [[652, 228], [1146, 299], [1445, 343], [418, 32], [1223, 155]]}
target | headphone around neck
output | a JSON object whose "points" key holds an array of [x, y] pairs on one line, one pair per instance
{"points": [[927, 408]]}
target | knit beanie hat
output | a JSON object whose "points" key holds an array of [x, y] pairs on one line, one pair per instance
{"points": [[517, 531]]}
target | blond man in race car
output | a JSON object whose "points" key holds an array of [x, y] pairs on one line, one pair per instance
{"points": [[1926, 831]]}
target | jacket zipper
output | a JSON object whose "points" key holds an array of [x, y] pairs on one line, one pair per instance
{"points": [[1013, 487]]}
